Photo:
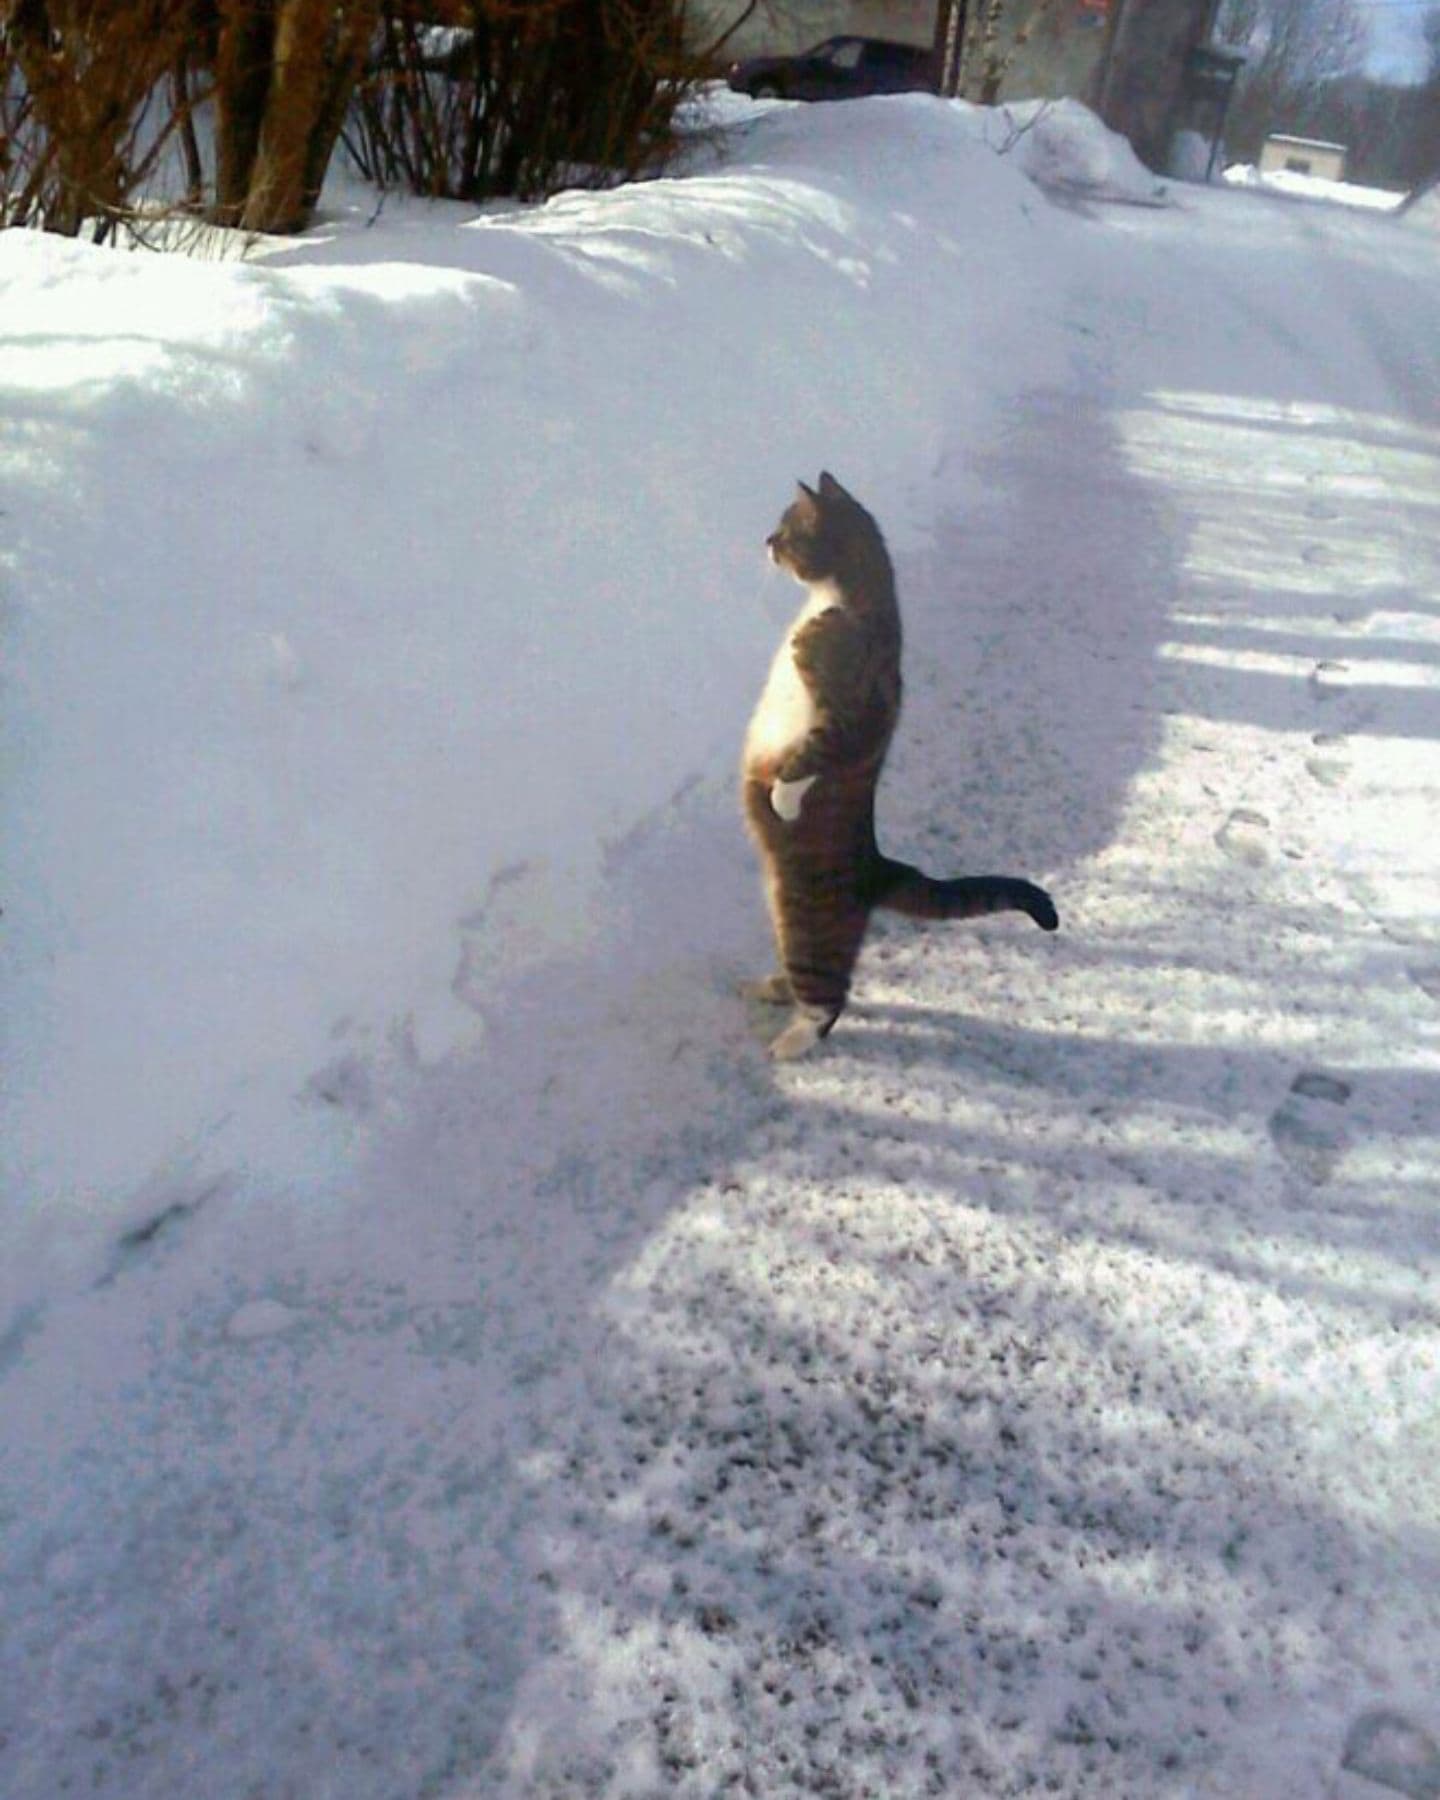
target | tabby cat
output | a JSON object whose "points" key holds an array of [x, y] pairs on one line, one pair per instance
{"points": [[813, 756]]}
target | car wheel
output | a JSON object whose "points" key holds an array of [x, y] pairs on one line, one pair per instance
{"points": [[766, 90]]}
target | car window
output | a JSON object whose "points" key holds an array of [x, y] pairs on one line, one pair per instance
{"points": [[840, 53]]}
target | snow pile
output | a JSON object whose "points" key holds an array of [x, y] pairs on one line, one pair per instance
{"points": [[1062, 145], [400, 606], [442, 1357], [1426, 211], [1313, 187]]}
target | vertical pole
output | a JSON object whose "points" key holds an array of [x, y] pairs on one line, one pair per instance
{"points": [[949, 44]]}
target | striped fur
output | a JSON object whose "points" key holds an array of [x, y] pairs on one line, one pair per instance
{"points": [[813, 756]]}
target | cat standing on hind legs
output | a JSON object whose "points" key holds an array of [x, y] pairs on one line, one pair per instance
{"points": [[813, 756]]}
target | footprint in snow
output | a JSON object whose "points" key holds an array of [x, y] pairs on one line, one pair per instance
{"points": [[345, 1084], [1387, 1748], [1243, 836], [1331, 767], [260, 1319], [1306, 1127], [158, 1229], [1323, 682]]}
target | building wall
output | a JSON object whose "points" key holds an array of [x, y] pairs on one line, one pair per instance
{"points": [[1327, 161], [1061, 56]]}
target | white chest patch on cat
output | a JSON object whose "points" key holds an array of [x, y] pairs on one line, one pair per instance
{"points": [[785, 715]]}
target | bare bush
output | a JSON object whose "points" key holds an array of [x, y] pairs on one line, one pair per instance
{"points": [[84, 117], [94, 93], [512, 99], [466, 98]]}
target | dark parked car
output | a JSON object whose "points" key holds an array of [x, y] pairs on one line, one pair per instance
{"points": [[841, 68]]}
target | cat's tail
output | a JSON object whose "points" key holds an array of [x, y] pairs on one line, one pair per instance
{"points": [[900, 888]]}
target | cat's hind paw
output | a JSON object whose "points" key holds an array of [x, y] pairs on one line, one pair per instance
{"points": [[802, 1034]]}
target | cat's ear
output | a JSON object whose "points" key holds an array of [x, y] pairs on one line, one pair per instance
{"points": [[830, 488], [806, 491]]}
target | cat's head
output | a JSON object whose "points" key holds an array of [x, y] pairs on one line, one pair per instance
{"points": [[810, 540]]}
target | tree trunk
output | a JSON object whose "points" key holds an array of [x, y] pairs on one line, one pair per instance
{"points": [[992, 64], [354, 36], [948, 44], [286, 70], [275, 196], [242, 85]]}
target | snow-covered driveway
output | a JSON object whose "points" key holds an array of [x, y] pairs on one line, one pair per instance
{"points": [[520, 1388]]}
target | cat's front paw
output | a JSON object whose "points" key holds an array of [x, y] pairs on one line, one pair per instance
{"points": [[787, 797]]}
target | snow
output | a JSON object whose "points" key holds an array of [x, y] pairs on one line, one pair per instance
{"points": [[1424, 211], [1064, 148], [1313, 187], [441, 1356]]}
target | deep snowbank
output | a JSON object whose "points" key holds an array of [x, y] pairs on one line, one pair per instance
{"points": [[353, 583]]}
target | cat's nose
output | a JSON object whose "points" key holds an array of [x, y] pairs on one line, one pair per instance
{"points": [[770, 544]]}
